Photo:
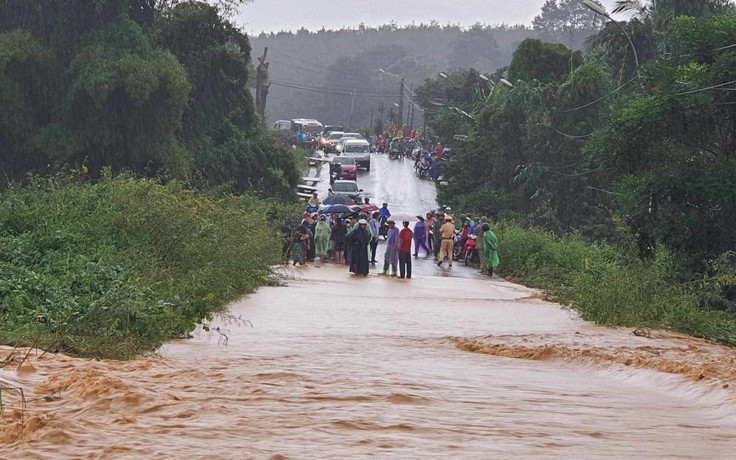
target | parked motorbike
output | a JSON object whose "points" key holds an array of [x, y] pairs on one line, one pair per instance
{"points": [[472, 256], [458, 248]]}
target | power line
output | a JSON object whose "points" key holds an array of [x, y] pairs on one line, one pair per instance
{"points": [[331, 91], [601, 98], [412, 103], [408, 89], [347, 90], [316, 69], [722, 48], [700, 90], [572, 136]]}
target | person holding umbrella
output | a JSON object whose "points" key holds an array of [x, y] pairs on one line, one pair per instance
{"points": [[358, 241], [337, 236]]}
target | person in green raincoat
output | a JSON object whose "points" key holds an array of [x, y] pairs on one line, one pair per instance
{"points": [[490, 248], [322, 234], [479, 245]]}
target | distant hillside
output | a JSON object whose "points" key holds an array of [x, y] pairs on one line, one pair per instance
{"points": [[315, 73]]}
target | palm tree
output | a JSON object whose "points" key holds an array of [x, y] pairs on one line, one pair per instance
{"points": [[669, 8], [648, 28]]}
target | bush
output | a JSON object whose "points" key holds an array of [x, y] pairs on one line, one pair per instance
{"points": [[611, 285], [114, 268]]}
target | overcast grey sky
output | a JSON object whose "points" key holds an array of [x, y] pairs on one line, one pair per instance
{"points": [[275, 15]]}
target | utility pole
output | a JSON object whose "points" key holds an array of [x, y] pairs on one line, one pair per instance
{"points": [[262, 85], [352, 109], [411, 107], [401, 106], [371, 125]]}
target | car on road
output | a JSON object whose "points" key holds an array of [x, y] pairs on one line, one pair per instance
{"points": [[348, 188], [329, 128], [360, 151], [339, 144], [349, 169]]}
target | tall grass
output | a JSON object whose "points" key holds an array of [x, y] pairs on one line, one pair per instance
{"points": [[611, 285], [114, 268]]}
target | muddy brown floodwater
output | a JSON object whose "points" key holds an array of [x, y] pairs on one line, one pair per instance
{"points": [[341, 367]]}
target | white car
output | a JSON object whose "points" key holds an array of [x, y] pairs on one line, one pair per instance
{"points": [[360, 150], [339, 145]]}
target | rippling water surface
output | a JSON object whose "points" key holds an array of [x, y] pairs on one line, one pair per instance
{"points": [[333, 368]]}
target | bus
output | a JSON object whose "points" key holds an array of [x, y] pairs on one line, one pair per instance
{"points": [[306, 125], [282, 125]]}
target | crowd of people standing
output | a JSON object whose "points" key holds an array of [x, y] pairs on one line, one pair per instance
{"points": [[353, 240]]}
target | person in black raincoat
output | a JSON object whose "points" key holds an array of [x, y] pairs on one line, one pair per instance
{"points": [[359, 241]]}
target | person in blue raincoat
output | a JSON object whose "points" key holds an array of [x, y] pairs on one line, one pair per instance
{"points": [[393, 244]]}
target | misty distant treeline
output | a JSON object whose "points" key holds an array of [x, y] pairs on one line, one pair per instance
{"points": [[314, 73]]}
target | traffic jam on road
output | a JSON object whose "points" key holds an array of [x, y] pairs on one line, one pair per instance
{"points": [[371, 188]]}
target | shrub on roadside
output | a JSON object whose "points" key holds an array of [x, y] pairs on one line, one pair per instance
{"points": [[611, 285], [112, 269]]}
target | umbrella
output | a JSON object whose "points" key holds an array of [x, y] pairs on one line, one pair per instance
{"points": [[337, 199], [370, 208], [339, 209]]}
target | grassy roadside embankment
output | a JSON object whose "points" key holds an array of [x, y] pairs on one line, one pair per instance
{"points": [[114, 268], [610, 285]]}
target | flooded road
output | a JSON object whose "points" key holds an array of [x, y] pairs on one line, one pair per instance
{"points": [[446, 365]]}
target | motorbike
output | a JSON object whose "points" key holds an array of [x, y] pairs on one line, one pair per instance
{"points": [[422, 170], [393, 154], [335, 174], [383, 229], [458, 247], [312, 208], [472, 257]]}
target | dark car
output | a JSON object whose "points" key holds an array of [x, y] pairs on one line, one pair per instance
{"points": [[348, 188]]}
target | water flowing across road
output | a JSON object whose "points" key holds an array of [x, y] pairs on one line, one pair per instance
{"points": [[446, 365]]}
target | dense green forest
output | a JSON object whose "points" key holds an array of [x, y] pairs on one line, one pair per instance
{"points": [[637, 155], [142, 85], [314, 73]]}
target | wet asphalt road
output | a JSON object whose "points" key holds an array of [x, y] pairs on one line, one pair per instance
{"points": [[394, 182]]}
